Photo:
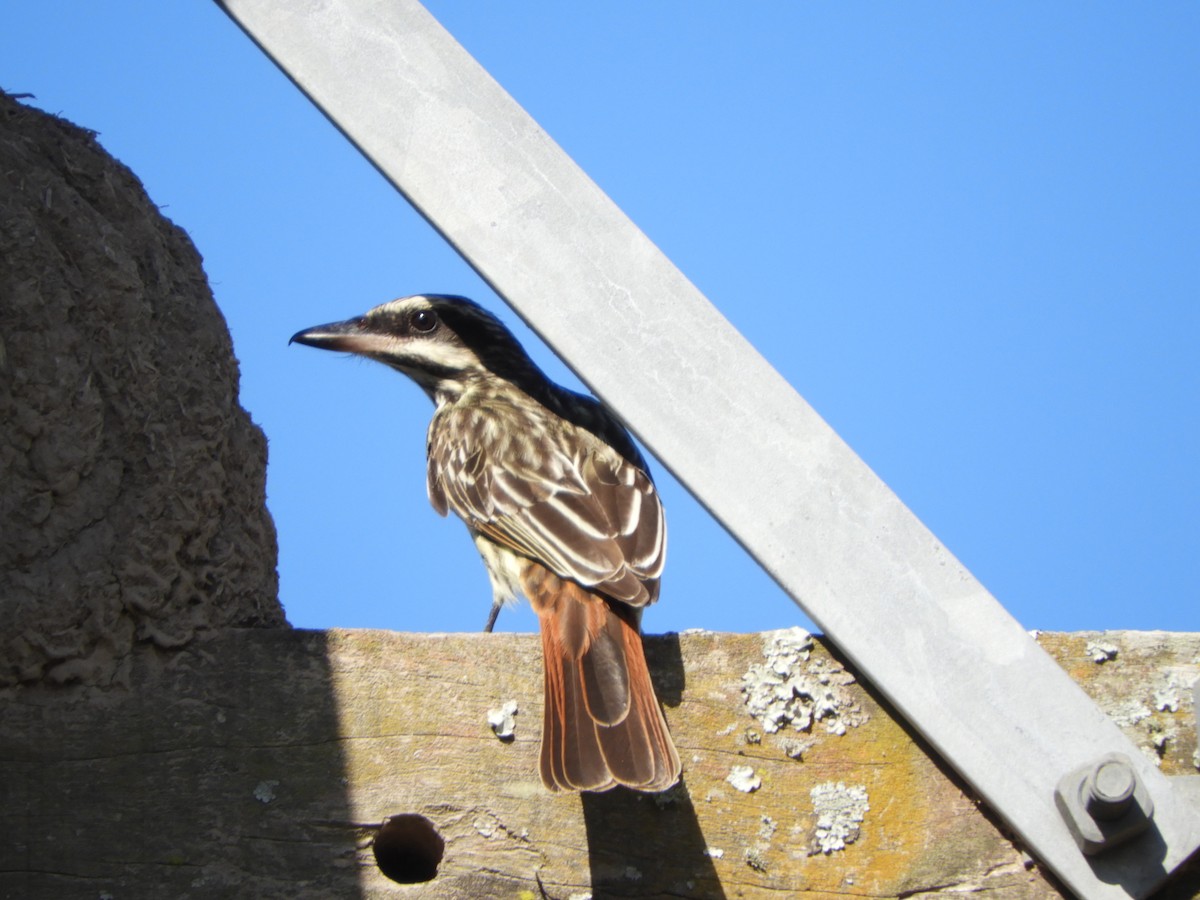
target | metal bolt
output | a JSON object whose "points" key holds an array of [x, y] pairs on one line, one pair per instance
{"points": [[1109, 790], [1104, 804]]}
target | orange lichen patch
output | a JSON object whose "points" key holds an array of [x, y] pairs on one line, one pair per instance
{"points": [[768, 838]]}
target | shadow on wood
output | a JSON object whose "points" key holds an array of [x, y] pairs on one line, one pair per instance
{"points": [[643, 846], [651, 845], [218, 773]]}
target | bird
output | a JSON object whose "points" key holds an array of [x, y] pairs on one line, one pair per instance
{"points": [[562, 509]]}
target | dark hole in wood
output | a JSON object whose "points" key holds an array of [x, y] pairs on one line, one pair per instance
{"points": [[408, 849]]}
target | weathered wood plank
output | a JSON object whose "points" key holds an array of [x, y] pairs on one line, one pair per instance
{"points": [[260, 763]]}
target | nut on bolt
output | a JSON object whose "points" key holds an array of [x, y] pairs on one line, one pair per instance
{"points": [[1104, 803]]}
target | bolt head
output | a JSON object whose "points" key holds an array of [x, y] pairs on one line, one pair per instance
{"points": [[1108, 789], [1104, 803]]}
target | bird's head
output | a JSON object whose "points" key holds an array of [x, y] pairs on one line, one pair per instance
{"points": [[443, 343]]}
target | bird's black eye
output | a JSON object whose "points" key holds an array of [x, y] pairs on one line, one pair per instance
{"points": [[423, 320]]}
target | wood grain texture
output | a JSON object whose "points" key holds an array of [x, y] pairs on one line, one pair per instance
{"points": [[261, 763]]}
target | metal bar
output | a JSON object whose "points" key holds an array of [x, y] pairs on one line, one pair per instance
{"points": [[550, 242]]}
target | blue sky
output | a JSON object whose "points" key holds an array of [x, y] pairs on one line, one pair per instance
{"points": [[968, 234]]}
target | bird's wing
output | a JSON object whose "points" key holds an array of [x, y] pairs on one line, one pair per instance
{"points": [[560, 497]]}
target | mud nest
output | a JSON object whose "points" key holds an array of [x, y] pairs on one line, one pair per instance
{"points": [[133, 481]]}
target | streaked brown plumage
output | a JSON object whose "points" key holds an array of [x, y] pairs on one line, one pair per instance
{"points": [[562, 509]]}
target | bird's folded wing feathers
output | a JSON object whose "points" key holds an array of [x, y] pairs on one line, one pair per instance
{"points": [[591, 516]]}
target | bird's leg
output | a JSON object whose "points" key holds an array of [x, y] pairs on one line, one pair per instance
{"points": [[492, 616]]}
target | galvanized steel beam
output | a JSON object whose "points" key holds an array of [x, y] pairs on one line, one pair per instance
{"points": [[550, 242]]}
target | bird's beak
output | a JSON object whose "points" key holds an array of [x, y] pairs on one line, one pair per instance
{"points": [[350, 336]]}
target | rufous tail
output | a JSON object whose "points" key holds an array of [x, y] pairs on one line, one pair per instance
{"points": [[602, 724]]}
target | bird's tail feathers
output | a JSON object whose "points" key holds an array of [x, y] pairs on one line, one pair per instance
{"points": [[602, 722]]}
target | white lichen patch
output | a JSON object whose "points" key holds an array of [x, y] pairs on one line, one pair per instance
{"points": [[1100, 651], [487, 824], [1167, 700], [839, 809], [264, 791], [502, 720], [744, 779], [755, 855], [756, 858], [1128, 713], [795, 747], [767, 829], [1171, 690], [1154, 719], [792, 688], [489, 828]]}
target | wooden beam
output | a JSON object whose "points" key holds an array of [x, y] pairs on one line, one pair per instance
{"points": [[262, 763]]}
